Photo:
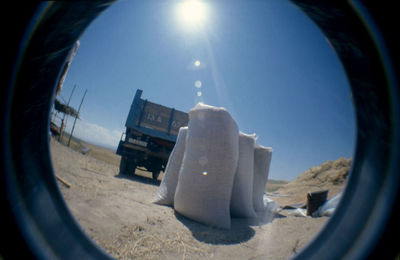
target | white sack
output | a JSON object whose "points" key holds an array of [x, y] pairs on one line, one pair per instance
{"points": [[262, 160], [166, 192], [206, 178], [242, 192]]}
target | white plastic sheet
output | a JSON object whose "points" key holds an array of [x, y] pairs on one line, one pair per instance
{"points": [[329, 207], [270, 205]]}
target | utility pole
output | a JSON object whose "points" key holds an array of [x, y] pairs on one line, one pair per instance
{"points": [[76, 116], [62, 121]]}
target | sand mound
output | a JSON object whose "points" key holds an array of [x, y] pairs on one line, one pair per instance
{"points": [[330, 175]]}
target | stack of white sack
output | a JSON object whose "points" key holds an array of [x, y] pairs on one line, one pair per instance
{"points": [[215, 171], [242, 190], [208, 167], [262, 160], [166, 191]]}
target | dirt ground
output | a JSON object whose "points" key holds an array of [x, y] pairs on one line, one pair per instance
{"points": [[118, 213]]}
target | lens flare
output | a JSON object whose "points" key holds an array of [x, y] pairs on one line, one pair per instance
{"points": [[197, 84]]}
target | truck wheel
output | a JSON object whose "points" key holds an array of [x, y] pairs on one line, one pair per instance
{"points": [[123, 167], [155, 174], [132, 168], [126, 167]]}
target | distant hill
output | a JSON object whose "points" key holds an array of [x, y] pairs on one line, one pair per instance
{"points": [[96, 151], [273, 185], [330, 175]]}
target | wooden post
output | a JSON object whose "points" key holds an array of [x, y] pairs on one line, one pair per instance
{"points": [[76, 116], [62, 121]]}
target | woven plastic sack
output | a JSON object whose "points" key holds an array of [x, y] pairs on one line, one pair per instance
{"points": [[166, 192], [262, 161], [242, 191], [205, 182]]}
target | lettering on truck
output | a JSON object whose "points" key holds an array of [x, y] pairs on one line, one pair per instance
{"points": [[137, 142]]}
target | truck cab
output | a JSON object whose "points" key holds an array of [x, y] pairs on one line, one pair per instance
{"points": [[150, 136]]}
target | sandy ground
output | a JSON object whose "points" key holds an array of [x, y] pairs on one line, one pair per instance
{"points": [[118, 213]]}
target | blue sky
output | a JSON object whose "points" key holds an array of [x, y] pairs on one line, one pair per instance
{"points": [[265, 61]]}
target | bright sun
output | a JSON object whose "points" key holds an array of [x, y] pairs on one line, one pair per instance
{"points": [[192, 12]]}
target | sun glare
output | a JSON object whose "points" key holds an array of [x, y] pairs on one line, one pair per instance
{"points": [[192, 12]]}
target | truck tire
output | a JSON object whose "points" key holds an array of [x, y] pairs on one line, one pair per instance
{"points": [[32, 205], [126, 167], [122, 167], [132, 168], [155, 174]]}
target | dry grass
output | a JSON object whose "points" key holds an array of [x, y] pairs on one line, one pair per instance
{"points": [[329, 175], [135, 242]]}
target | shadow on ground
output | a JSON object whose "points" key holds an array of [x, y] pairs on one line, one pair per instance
{"points": [[138, 178], [241, 229], [239, 232], [262, 218]]}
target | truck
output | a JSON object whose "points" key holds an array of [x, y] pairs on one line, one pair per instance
{"points": [[150, 136]]}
